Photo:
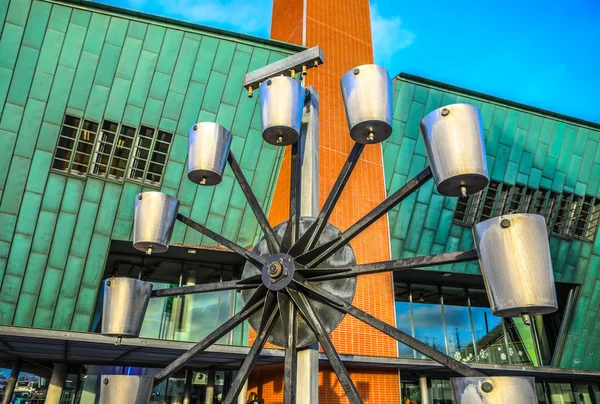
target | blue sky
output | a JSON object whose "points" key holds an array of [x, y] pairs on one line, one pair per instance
{"points": [[541, 53]]}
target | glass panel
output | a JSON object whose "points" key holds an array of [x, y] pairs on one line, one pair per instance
{"points": [[109, 126], [520, 344], [72, 121], [161, 147], [441, 392], [458, 324], [427, 314], [403, 317], [410, 392], [541, 394], [583, 394], [561, 393], [159, 158], [164, 137], [488, 330]]}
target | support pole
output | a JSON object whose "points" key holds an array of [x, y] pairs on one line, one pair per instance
{"points": [[57, 381], [12, 382], [210, 387], [423, 389], [307, 379], [187, 392], [242, 398]]}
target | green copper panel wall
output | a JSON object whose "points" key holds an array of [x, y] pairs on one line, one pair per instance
{"points": [[522, 147], [59, 58]]}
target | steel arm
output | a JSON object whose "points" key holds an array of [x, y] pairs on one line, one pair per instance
{"points": [[272, 242], [315, 324], [387, 329], [311, 236], [253, 305], [203, 288], [387, 266], [289, 319], [292, 229], [236, 248], [317, 255], [267, 322]]}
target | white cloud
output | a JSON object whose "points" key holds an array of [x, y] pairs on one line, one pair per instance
{"points": [[388, 35]]}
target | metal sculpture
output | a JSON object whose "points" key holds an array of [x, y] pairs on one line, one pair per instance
{"points": [[300, 278]]}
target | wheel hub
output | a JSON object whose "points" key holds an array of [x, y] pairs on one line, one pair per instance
{"points": [[278, 271]]}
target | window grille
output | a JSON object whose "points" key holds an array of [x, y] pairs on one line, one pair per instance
{"points": [[567, 216], [75, 145], [112, 150], [150, 155]]}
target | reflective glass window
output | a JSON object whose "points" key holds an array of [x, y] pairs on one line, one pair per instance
{"points": [[427, 315], [458, 324], [404, 318]]}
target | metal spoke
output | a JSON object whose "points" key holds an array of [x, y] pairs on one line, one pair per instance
{"points": [[319, 254], [203, 288], [252, 306], [267, 323], [287, 311], [311, 236], [393, 265], [389, 330], [311, 318], [236, 248], [292, 229], [272, 242]]}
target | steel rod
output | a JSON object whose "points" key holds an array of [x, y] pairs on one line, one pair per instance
{"points": [[272, 242], [203, 288], [312, 319], [393, 265], [311, 236], [319, 254], [389, 330], [292, 229], [267, 322], [236, 248], [289, 319], [252, 306]]}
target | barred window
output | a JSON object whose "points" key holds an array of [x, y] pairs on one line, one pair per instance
{"points": [[75, 145], [150, 155], [112, 150], [567, 216]]}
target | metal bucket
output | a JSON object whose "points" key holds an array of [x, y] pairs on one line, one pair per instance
{"points": [[208, 148], [453, 137], [367, 93], [119, 389], [125, 303], [494, 390], [281, 104], [514, 256], [155, 215]]}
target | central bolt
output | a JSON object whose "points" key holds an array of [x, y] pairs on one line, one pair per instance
{"points": [[274, 269]]}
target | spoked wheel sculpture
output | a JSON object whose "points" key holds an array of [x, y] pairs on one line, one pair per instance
{"points": [[300, 278]]}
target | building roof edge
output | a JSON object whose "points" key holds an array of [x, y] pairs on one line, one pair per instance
{"points": [[498, 100]]}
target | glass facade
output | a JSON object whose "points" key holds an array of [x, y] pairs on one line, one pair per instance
{"points": [[459, 322]]}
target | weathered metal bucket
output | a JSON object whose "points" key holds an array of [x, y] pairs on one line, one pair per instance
{"points": [[208, 149], [281, 104], [453, 137], [155, 215], [125, 303], [494, 390], [367, 93], [514, 256], [120, 389]]}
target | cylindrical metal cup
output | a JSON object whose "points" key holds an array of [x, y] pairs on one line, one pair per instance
{"points": [[494, 390], [155, 215], [281, 105], [453, 137], [367, 94], [125, 303], [121, 389], [514, 256], [208, 148]]}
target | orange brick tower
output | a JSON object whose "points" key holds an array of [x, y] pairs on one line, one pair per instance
{"points": [[343, 30]]}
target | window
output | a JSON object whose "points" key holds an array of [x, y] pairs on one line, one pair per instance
{"points": [[150, 155], [75, 145], [86, 147], [568, 216]]}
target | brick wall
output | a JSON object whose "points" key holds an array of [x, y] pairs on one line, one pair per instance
{"points": [[343, 30]]}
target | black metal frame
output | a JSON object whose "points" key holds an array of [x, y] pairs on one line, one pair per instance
{"points": [[287, 303]]}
